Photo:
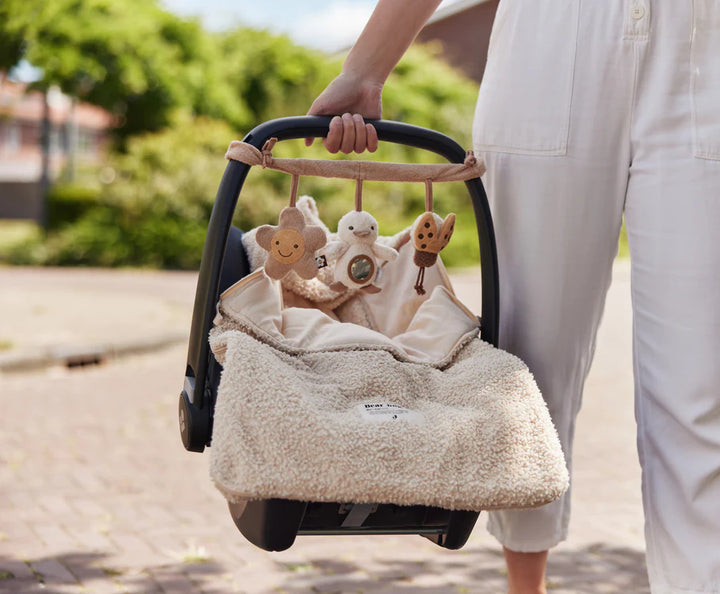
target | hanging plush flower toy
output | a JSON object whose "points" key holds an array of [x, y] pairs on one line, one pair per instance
{"points": [[291, 245]]}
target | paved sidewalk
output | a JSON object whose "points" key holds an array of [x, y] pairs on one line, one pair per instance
{"points": [[98, 495], [53, 315]]}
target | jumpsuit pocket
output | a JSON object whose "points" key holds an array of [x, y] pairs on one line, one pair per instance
{"points": [[526, 92], [705, 79]]}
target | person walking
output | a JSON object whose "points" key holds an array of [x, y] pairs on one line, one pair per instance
{"points": [[588, 111]]}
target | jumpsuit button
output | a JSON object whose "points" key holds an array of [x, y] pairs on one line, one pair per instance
{"points": [[637, 12]]}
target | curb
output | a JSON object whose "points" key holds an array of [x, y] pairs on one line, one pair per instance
{"points": [[82, 355]]}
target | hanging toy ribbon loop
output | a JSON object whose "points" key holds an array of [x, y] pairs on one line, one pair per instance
{"points": [[428, 195], [470, 158], [294, 189], [267, 152], [419, 289], [358, 194]]}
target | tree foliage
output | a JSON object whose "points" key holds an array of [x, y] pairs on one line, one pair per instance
{"points": [[274, 76], [131, 58], [181, 94]]}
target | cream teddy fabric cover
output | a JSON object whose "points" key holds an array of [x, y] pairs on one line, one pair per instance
{"points": [[408, 406]]}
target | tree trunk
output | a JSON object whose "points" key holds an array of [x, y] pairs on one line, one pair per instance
{"points": [[72, 131]]}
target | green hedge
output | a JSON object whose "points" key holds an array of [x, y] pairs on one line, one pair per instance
{"points": [[68, 203], [155, 211]]}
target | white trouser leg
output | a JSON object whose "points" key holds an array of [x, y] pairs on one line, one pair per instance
{"points": [[557, 209], [644, 113], [555, 259], [673, 220]]}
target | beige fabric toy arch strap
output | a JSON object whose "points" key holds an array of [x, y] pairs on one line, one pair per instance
{"points": [[358, 170]]}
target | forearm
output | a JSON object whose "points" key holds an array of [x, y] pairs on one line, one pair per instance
{"points": [[393, 26]]}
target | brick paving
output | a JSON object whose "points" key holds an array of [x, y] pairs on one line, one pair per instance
{"points": [[98, 495]]}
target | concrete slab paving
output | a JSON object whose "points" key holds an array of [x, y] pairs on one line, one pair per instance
{"points": [[53, 315]]}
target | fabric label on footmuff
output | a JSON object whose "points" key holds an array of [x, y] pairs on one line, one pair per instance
{"points": [[380, 412]]}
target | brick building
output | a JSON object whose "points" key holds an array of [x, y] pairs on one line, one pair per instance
{"points": [[21, 114], [463, 29]]}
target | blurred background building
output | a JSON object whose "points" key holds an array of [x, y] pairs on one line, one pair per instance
{"points": [[78, 135]]}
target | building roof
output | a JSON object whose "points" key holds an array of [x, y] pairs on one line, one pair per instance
{"points": [[19, 103], [453, 9], [438, 15]]}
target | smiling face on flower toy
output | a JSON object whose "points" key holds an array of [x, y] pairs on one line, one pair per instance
{"points": [[291, 245]]}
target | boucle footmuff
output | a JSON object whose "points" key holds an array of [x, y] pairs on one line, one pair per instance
{"points": [[372, 393]]}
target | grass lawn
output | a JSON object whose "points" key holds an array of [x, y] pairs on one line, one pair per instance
{"points": [[13, 231], [623, 250]]}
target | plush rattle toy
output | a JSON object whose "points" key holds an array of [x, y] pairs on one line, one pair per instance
{"points": [[292, 245], [358, 253], [430, 234], [356, 250]]}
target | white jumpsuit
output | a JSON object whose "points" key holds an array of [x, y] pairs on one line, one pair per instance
{"points": [[588, 109]]}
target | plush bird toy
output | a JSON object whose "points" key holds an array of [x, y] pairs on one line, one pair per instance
{"points": [[357, 253]]}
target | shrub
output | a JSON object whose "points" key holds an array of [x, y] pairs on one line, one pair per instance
{"points": [[156, 209], [68, 203]]}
